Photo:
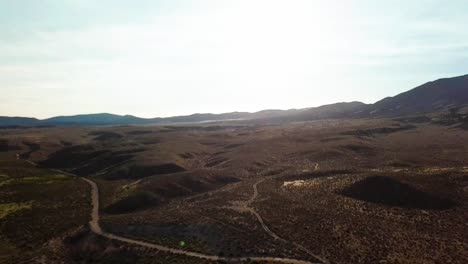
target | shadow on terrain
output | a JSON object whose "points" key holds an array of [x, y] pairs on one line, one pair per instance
{"points": [[360, 149], [82, 246], [377, 131], [134, 202], [388, 191], [139, 132], [105, 135], [415, 119], [33, 147], [453, 117], [83, 159], [5, 146], [158, 190], [140, 171]]}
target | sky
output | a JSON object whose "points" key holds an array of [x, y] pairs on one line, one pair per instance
{"points": [[153, 58]]}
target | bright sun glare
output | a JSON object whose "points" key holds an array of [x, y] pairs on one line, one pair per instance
{"points": [[180, 57]]}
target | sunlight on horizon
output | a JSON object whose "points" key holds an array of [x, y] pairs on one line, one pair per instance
{"points": [[170, 58]]}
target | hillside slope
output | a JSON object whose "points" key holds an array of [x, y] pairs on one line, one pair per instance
{"points": [[429, 97]]}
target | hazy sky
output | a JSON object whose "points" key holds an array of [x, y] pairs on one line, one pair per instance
{"points": [[162, 58]]}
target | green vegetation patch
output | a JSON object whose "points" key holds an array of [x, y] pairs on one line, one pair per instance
{"points": [[45, 179], [4, 181], [19, 172], [11, 208]]}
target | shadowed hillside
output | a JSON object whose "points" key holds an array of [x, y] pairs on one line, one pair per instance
{"points": [[428, 97], [388, 191]]}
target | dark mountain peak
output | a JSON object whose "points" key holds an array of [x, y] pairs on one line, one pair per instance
{"points": [[431, 96]]}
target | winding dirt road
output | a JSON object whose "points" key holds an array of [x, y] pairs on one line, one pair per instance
{"points": [[96, 228], [268, 230], [94, 224]]}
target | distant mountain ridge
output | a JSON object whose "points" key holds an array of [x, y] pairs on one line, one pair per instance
{"points": [[93, 119], [17, 121], [429, 97], [112, 119]]}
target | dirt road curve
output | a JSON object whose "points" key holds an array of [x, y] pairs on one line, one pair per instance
{"points": [[268, 230], [96, 228], [94, 224]]}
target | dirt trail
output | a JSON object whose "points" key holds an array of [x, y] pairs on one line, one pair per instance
{"points": [[96, 228], [94, 224], [268, 230]]}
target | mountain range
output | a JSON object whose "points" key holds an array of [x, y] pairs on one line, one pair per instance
{"points": [[429, 97]]}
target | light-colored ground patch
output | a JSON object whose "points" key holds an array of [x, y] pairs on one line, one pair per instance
{"points": [[238, 206], [443, 169], [298, 183], [304, 183], [10, 208]]}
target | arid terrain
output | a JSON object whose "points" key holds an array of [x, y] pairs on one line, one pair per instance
{"points": [[380, 190], [233, 132]]}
